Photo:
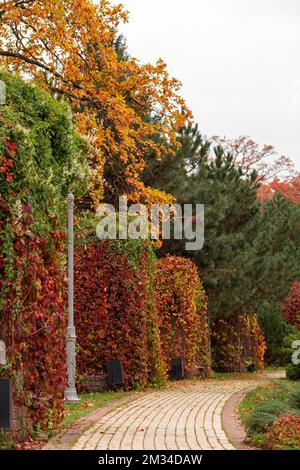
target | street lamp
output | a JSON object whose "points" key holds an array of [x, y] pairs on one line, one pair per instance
{"points": [[70, 392]]}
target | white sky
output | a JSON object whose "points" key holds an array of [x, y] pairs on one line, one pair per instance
{"points": [[238, 60]]}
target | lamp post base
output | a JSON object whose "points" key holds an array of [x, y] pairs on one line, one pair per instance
{"points": [[71, 395]]}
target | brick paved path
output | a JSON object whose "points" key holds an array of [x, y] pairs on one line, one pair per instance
{"points": [[187, 416]]}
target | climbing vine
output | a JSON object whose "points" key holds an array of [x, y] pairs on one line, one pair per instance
{"points": [[39, 156], [237, 344], [182, 307], [114, 312]]}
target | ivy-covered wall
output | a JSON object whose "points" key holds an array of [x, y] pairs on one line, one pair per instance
{"points": [[114, 311], [182, 310], [145, 313], [41, 159], [237, 344]]}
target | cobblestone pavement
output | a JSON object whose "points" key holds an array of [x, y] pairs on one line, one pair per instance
{"points": [[183, 417]]}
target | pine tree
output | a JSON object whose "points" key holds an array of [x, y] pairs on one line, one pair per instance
{"points": [[251, 253]]}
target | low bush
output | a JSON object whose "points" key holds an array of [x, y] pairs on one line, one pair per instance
{"points": [[284, 433], [264, 415], [259, 422], [292, 370], [263, 411], [295, 400], [275, 407]]}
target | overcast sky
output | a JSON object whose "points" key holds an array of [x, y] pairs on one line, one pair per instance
{"points": [[238, 60]]}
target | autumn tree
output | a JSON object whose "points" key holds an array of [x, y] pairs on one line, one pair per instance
{"points": [[71, 48], [251, 156], [288, 187]]}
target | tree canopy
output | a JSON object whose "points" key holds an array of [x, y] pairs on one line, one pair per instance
{"points": [[72, 50]]}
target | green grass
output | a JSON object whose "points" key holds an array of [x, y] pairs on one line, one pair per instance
{"points": [[232, 375], [90, 402], [261, 407], [243, 375]]}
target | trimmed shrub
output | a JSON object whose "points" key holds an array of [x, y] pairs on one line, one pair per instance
{"points": [[130, 307], [115, 316], [292, 370], [259, 422], [182, 310], [237, 344]]}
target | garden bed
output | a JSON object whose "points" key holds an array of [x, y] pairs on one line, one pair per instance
{"points": [[271, 415]]}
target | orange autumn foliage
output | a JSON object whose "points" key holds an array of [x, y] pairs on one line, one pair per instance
{"points": [[289, 188], [69, 46], [284, 433]]}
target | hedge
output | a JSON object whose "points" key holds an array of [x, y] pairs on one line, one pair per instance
{"points": [[182, 310], [41, 158], [33, 325], [237, 344], [114, 311], [142, 312]]}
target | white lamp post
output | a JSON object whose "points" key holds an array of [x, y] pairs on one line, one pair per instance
{"points": [[70, 392]]}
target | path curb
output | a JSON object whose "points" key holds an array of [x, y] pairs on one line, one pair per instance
{"points": [[66, 439], [232, 425]]}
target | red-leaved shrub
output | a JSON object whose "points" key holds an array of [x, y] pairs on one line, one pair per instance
{"points": [[291, 305], [284, 433]]}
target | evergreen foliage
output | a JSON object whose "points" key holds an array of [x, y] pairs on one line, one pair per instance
{"points": [[274, 329], [251, 253]]}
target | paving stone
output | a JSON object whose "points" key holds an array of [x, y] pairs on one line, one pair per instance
{"points": [[179, 418]]}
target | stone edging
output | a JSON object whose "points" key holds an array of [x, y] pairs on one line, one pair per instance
{"points": [[232, 425], [66, 439]]}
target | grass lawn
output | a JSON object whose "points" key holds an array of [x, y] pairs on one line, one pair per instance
{"points": [[88, 403], [271, 415]]}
